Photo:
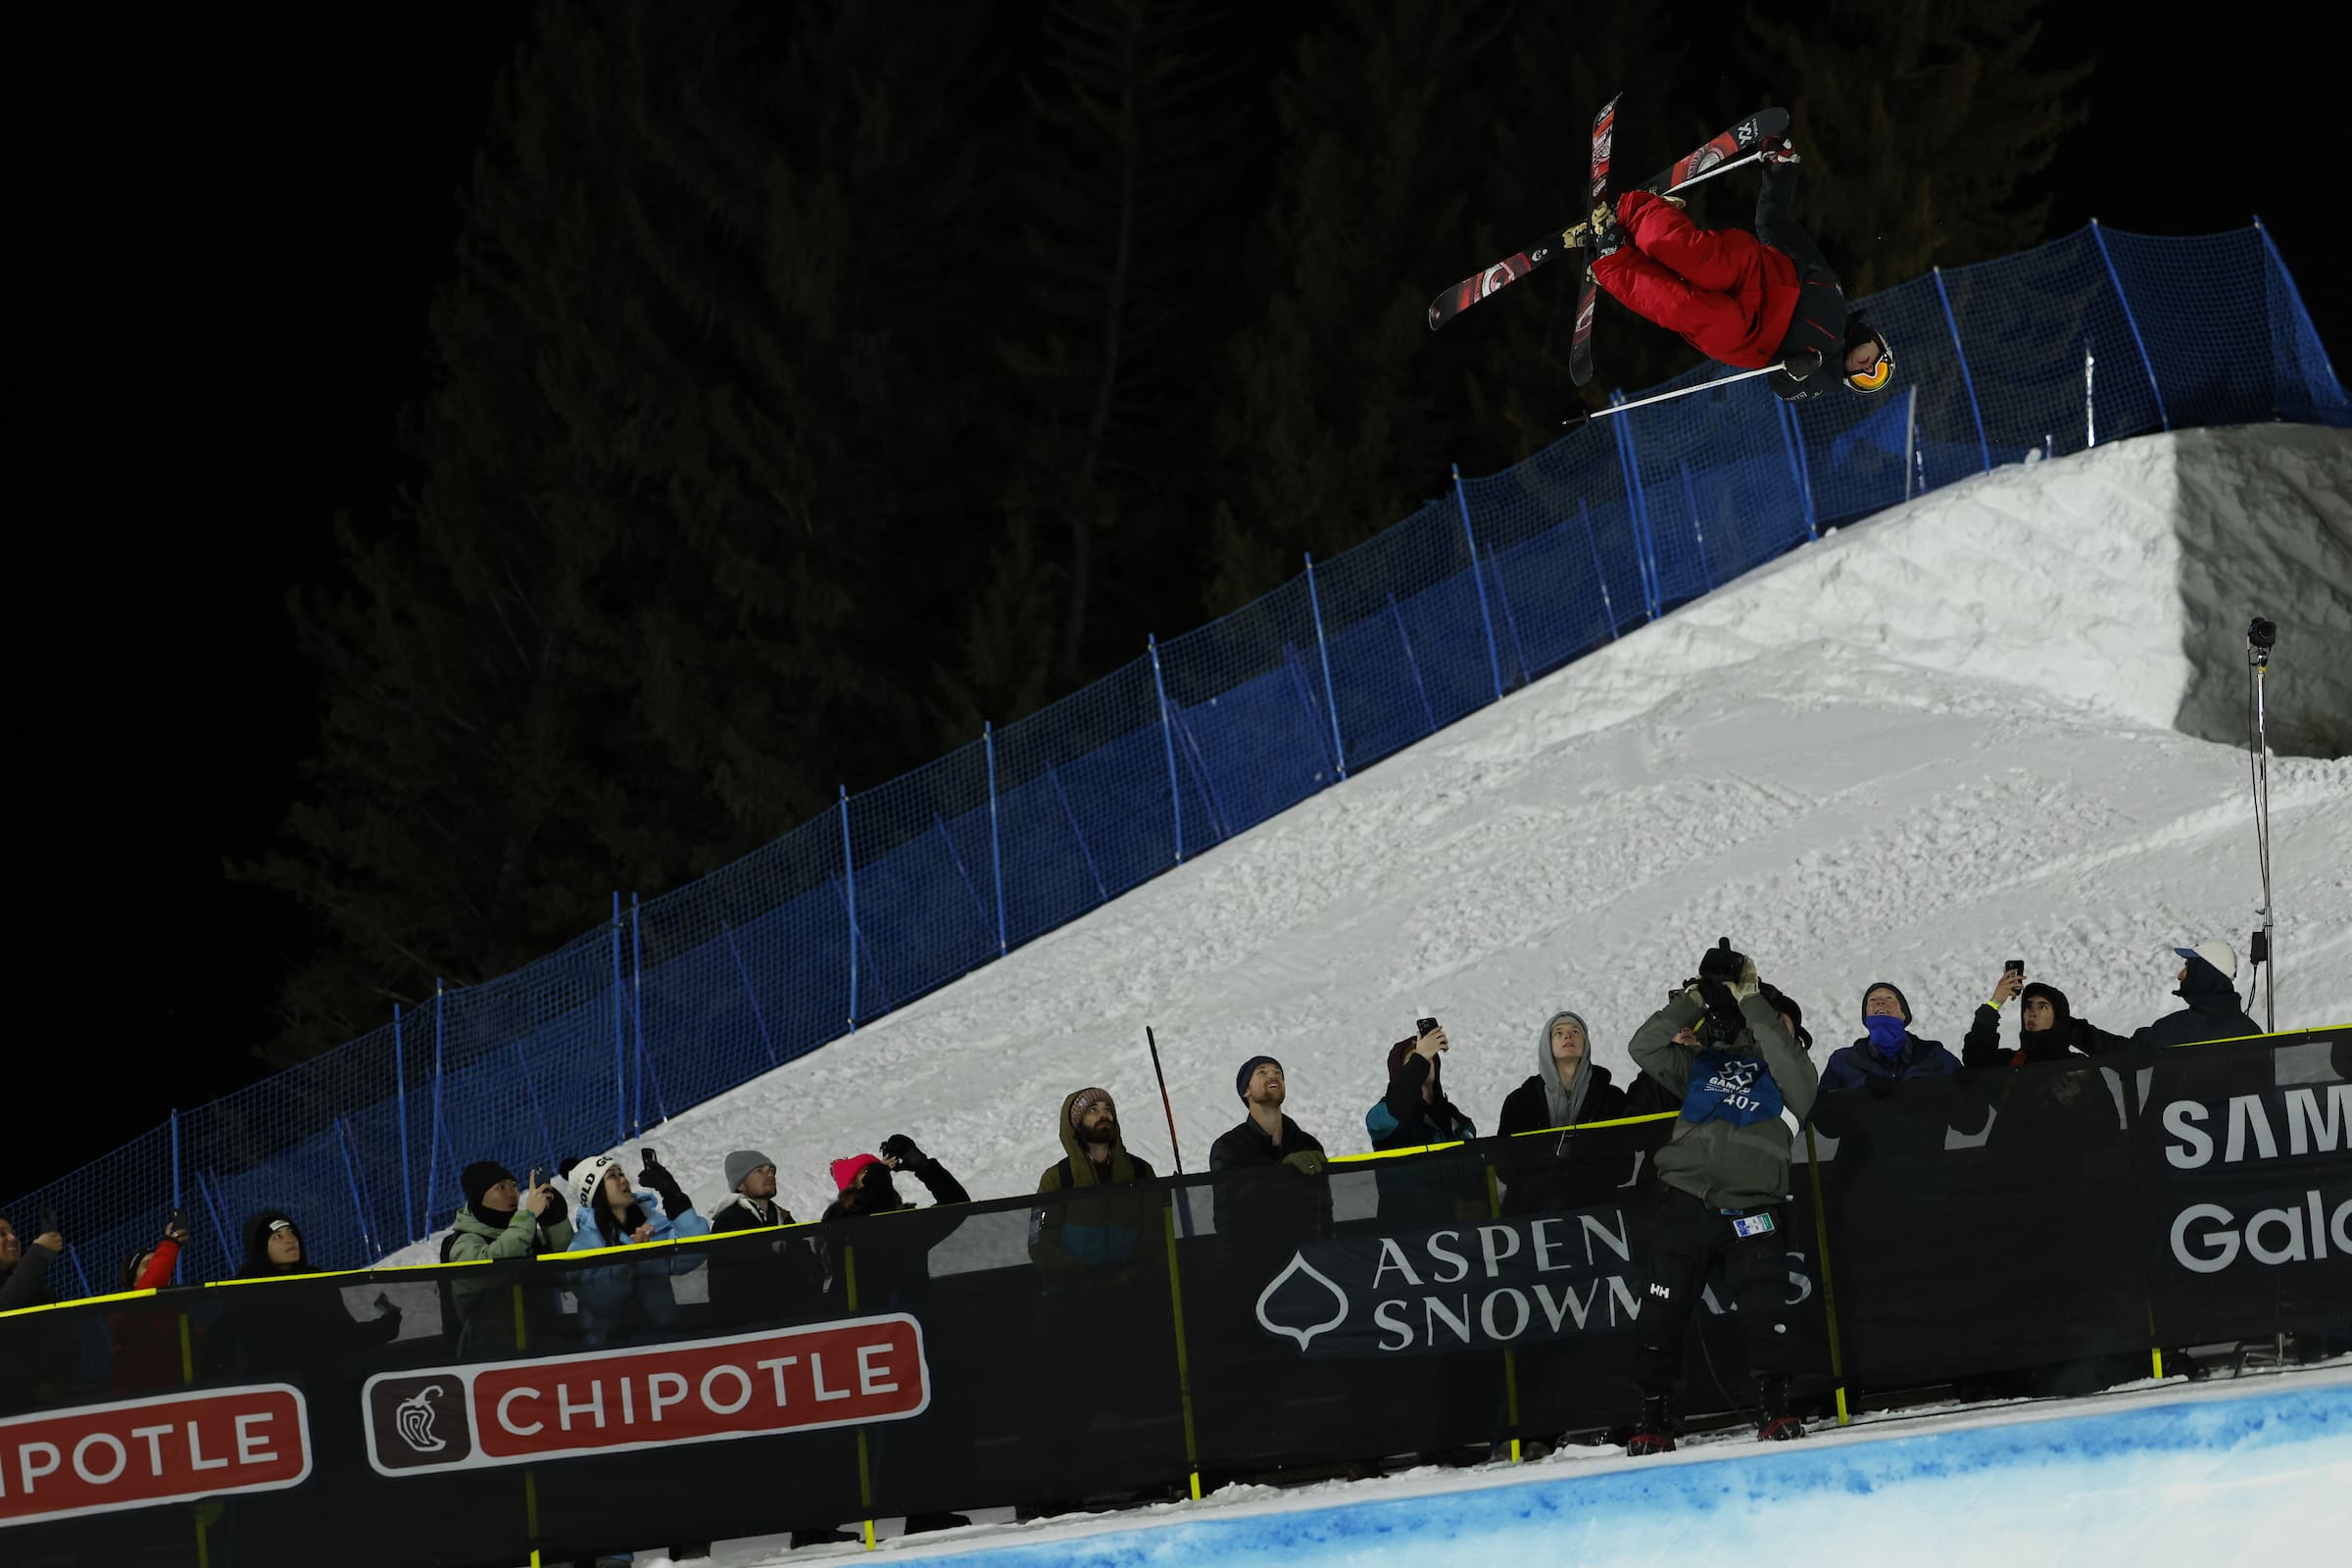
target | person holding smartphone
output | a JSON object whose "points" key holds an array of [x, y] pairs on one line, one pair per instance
{"points": [[1413, 1111], [501, 1220]]}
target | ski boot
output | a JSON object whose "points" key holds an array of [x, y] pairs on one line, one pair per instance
{"points": [[1653, 1432], [1775, 1421]]}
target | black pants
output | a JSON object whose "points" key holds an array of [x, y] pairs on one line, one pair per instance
{"points": [[1687, 1240]]}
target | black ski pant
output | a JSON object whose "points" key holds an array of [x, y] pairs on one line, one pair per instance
{"points": [[1688, 1239]]}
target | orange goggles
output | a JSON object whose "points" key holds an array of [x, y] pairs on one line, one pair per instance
{"points": [[1878, 376]]}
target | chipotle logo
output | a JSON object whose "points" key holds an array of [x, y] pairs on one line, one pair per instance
{"points": [[135, 1453], [847, 1373]]}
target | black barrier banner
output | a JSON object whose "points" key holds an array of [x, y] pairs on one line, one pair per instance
{"points": [[2252, 1181], [610, 1402], [136, 1453], [1487, 1287]]}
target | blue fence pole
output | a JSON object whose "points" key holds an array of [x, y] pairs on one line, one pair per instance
{"points": [[956, 855], [1167, 741], [1208, 791], [358, 1168], [637, 998], [1478, 580], [399, 1102], [1102, 893], [1793, 439], [523, 1070], [2125, 300], [432, 1163], [1967, 381], [620, 1047], [1636, 512], [996, 840], [759, 1017], [1699, 532], [2294, 297], [1599, 573], [177, 1265], [848, 876], [235, 1255], [1414, 664], [1331, 700], [1510, 622], [358, 1205]]}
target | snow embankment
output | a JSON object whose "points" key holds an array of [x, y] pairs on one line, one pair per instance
{"points": [[1937, 740], [2250, 1472]]}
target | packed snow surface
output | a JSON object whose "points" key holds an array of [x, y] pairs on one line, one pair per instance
{"points": [[1931, 741], [2250, 1471]]}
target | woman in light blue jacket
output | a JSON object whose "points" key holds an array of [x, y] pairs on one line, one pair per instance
{"points": [[629, 1296]]}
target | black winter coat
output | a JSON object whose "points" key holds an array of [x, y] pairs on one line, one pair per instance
{"points": [[1540, 1173], [2212, 1013], [1259, 1202]]}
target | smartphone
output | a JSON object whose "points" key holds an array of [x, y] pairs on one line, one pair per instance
{"points": [[48, 1222], [1423, 1026], [2016, 967], [647, 1154], [175, 1222]]}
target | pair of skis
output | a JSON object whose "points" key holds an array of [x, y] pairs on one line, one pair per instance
{"points": [[1709, 158]]}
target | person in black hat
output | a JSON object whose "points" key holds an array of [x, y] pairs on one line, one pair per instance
{"points": [[1266, 1140], [2047, 1028], [1887, 1049], [499, 1221]]}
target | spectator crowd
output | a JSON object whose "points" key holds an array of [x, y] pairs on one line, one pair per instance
{"points": [[1728, 1055]]}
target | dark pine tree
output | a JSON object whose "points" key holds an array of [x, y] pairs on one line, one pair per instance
{"points": [[699, 381], [1922, 127]]}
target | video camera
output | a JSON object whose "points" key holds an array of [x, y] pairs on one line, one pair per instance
{"points": [[1719, 968]]}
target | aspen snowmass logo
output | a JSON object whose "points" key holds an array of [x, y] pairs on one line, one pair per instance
{"points": [[1466, 1287], [2273, 1173]]}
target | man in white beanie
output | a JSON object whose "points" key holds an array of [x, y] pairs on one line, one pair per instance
{"points": [[2208, 986]]}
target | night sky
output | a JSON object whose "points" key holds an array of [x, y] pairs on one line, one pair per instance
{"points": [[258, 212]]}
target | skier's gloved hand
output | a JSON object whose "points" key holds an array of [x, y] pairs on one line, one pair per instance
{"points": [[899, 1151], [1802, 364], [1777, 150]]}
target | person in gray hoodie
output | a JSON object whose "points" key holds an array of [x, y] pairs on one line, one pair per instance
{"points": [[1733, 1057], [1566, 1087]]}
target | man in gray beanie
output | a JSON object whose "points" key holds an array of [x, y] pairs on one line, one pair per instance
{"points": [[764, 1280]]}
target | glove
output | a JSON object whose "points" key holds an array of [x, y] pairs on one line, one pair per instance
{"points": [[656, 1176], [1306, 1162], [1745, 985], [553, 1214], [1777, 150], [901, 1147], [1800, 364], [1673, 200]]}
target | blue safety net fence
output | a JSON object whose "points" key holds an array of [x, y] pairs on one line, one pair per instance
{"points": [[906, 887]]}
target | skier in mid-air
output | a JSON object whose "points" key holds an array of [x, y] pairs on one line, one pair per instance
{"points": [[1742, 299]]}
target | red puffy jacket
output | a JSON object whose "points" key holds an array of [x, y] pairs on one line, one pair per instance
{"points": [[1727, 293]]}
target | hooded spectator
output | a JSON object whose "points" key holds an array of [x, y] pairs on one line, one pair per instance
{"points": [[1726, 1171], [1887, 1050], [25, 1267], [1094, 1233], [501, 1222], [627, 1295], [1568, 1087], [272, 1328], [1413, 1112], [2208, 990]]}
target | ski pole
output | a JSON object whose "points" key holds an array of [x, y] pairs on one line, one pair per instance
{"points": [[1582, 417], [1720, 168], [1163, 1097]]}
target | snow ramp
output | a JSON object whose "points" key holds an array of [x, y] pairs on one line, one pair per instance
{"points": [[1944, 737], [2250, 1471]]}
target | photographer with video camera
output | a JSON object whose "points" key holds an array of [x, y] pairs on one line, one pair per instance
{"points": [[1728, 1049]]}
